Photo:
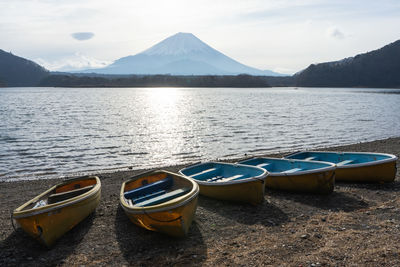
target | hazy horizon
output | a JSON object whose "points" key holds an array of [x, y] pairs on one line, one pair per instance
{"points": [[282, 36]]}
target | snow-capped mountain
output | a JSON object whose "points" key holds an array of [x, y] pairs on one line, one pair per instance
{"points": [[180, 54], [180, 44]]}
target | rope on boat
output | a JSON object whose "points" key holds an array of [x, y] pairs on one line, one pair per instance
{"points": [[12, 221], [157, 220]]}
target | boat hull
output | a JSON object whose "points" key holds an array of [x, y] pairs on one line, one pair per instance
{"points": [[377, 173], [226, 181], [173, 217], [249, 192], [49, 224], [317, 183], [296, 175], [174, 222]]}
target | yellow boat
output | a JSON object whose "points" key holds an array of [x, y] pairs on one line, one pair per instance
{"points": [[160, 201], [54, 212], [296, 175], [226, 181], [356, 166]]}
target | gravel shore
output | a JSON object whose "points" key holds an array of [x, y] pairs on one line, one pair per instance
{"points": [[358, 224]]}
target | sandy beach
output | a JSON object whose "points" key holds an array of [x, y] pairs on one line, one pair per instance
{"points": [[358, 224]]}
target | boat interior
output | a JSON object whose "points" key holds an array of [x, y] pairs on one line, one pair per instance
{"points": [[155, 189], [69, 189], [340, 159], [214, 172], [284, 165]]}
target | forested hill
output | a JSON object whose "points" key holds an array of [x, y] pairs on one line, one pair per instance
{"points": [[379, 68], [2, 83], [62, 80], [18, 71]]}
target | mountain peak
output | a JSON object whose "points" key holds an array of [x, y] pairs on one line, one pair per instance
{"points": [[184, 34], [178, 44], [180, 54]]}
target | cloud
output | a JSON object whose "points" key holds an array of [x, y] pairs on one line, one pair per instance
{"points": [[335, 33], [284, 70], [82, 36], [74, 62]]}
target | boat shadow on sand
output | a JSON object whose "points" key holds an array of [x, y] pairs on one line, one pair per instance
{"points": [[385, 187], [313, 204], [266, 213], [21, 249], [143, 247]]}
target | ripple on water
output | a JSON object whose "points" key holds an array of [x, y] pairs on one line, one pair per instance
{"points": [[134, 153]]}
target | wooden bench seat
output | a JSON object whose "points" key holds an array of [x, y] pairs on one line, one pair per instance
{"points": [[149, 188], [310, 158], [163, 198], [208, 171], [292, 170], [226, 179], [262, 165], [146, 197], [344, 162], [213, 179], [57, 197]]}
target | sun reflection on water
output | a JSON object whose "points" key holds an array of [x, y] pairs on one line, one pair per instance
{"points": [[164, 115]]}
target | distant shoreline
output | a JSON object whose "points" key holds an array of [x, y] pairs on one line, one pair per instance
{"points": [[98, 80], [184, 86]]}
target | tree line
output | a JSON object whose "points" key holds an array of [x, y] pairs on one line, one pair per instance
{"points": [[242, 80]]}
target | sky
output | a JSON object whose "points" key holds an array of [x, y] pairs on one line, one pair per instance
{"points": [[279, 35]]}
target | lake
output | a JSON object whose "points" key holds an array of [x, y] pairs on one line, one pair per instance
{"points": [[58, 132]]}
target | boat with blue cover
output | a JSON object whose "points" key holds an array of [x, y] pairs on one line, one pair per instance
{"points": [[296, 175], [160, 201], [226, 181], [355, 166]]}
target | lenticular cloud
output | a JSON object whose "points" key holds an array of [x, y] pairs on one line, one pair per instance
{"points": [[82, 36]]}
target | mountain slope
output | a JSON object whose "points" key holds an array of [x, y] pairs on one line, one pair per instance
{"points": [[379, 68], [180, 54], [18, 71]]}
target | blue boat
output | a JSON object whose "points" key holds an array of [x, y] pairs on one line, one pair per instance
{"points": [[296, 175], [355, 166], [226, 181]]}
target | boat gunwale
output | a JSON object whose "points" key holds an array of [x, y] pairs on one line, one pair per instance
{"points": [[19, 213], [168, 205], [332, 167], [262, 177], [390, 158]]}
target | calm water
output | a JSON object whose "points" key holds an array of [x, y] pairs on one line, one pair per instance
{"points": [[56, 132]]}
